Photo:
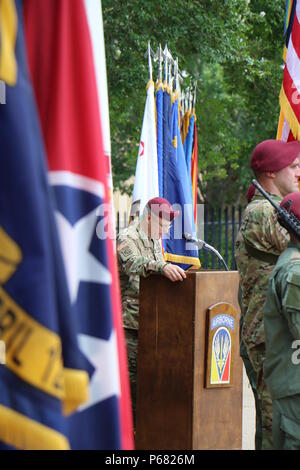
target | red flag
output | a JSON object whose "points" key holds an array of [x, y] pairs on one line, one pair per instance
{"points": [[63, 67], [194, 168]]}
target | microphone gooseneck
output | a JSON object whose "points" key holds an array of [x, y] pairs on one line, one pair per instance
{"points": [[203, 245]]}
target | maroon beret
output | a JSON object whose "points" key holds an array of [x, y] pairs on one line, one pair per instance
{"points": [[294, 207], [274, 155], [162, 208]]}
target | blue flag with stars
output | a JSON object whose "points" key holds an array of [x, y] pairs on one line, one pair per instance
{"points": [[40, 379]]}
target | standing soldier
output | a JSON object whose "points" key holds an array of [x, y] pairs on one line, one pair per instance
{"points": [[260, 241], [282, 332], [140, 254]]}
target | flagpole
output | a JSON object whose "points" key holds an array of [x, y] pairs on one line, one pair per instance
{"points": [[166, 65], [183, 102], [149, 61], [170, 75], [160, 60], [186, 105], [195, 94], [176, 75]]}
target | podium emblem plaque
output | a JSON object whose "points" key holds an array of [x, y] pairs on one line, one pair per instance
{"points": [[220, 345]]}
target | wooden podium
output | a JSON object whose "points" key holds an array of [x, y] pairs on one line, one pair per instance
{"points": [[188, 339]]}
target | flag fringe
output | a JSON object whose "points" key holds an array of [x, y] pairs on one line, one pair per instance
{"points": [[284, 54], [159, 85], [182, 259], [289, 114], [76, 389], [167, 88], [8, 28], [24, 433], [175, 96], [280, 126], [149, 84]]}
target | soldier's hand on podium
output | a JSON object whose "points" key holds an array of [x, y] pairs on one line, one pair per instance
{"points": [[174, 272]]}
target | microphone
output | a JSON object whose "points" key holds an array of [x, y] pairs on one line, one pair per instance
{"points": [[201, 244]]}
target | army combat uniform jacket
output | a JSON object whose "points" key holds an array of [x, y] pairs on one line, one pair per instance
{"points": [[282, 334], [260, 241], [138, 255], [282, 325]]}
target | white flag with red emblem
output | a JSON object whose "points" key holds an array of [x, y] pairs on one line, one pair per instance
{"points": [[146, 173]]}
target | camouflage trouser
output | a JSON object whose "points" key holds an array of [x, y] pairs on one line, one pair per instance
{"points": [[132, 350], [251, 377], [286, 423], [257, 356], [252, 380]]}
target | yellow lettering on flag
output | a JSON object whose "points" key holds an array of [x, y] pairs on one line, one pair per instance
{"points": [[22, 432], [33, 352], [10, 256]]}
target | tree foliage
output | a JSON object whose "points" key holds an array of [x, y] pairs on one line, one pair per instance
{"points": [[233, 47]]}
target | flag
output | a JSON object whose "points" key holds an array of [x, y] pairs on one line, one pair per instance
{"points": [[195, 170], [283, 131], [159, 127], [146, 172], [185, 125], [177, 190], [95, 23], [41, 376], [288, 10], [167, 135], [188, 146], [63, 65], [288, 127]]}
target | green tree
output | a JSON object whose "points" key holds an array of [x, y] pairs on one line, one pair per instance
{"points": [[234, 49]]}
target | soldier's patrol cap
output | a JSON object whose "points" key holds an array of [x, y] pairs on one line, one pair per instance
{"points": [[291, 202], [162, 208], [274, 155]]}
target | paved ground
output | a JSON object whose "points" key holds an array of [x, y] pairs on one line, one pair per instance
{"points": [[248, 415]]}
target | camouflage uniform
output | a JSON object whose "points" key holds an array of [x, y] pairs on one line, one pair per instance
{"points": [[138, 255], [260, 241], [252, 379], [282, 328]]}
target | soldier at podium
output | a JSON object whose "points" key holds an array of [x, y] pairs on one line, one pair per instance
{"points": [[259, 243], [140, 254]]}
